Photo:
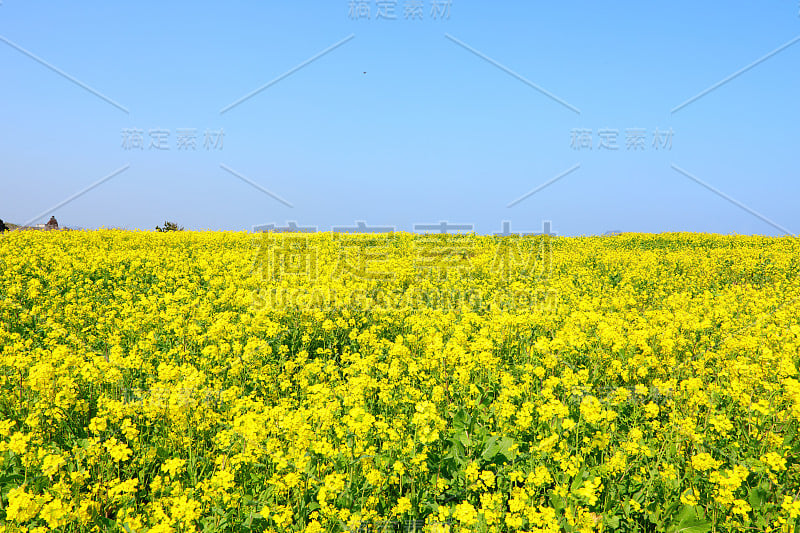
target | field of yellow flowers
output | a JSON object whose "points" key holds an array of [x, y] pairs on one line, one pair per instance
{"points": [[202, 381]]}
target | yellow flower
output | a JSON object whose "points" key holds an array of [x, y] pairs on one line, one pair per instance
{"points": [[514, 520], [704, 461], [98, 424], [313, 527], [55, 513], [472, 472], [774, 461], [185, 509], [6, 426], [589, 490], [117, 450], [129, 429], [689, 497], [791, 506], [466, 514], [591, 409], [173, 466], [123, 487], [19, 443], [402, 507], [22, 506], [741, 507], [488, 478], [539, 477], [651, 410], [51, 464]]}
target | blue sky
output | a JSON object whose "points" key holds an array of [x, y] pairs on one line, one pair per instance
{"points": [[407, 121]]}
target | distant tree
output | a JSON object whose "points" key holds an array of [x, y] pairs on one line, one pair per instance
{"points": [[3, 226], [170, 226]]}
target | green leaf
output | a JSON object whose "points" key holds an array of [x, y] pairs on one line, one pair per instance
{"points": [[461, 420], [497, 445], [671, 508], [457, 451], [789, 436], [611, 521], [577, 481], [686, 514], [688, 521], [694, 526], [556, 501], [491, 449], [757, 497]]}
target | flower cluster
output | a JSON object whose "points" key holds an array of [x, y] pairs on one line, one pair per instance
{"points": [[185, 381]]}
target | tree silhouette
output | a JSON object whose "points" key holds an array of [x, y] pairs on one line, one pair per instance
{"points": [[169, 226]]}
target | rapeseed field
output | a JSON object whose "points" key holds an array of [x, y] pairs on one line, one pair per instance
{"points": [[207, 381]]}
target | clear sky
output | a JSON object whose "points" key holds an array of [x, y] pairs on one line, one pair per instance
{"points": [[420, 114]]}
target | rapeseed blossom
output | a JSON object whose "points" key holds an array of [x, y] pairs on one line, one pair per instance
{"points": [[188, 381]]}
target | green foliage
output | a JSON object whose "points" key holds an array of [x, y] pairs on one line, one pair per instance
{"points": [[169, 226]]}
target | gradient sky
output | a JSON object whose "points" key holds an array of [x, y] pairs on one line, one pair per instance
{"points": [[406, 121]]}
